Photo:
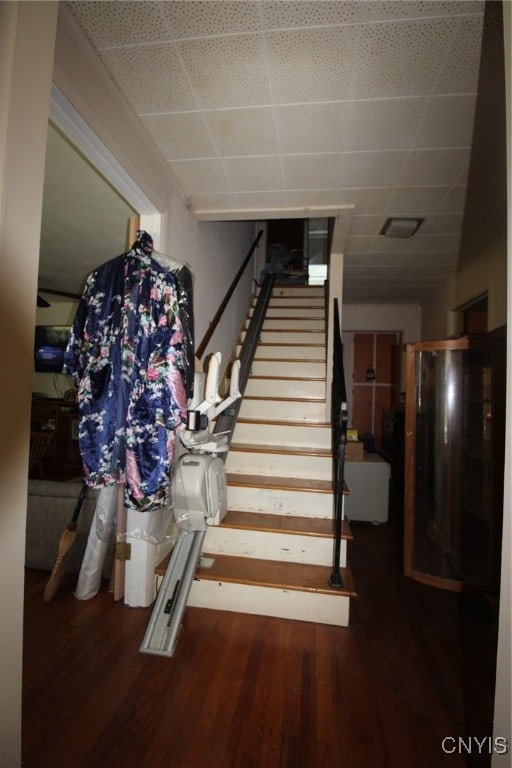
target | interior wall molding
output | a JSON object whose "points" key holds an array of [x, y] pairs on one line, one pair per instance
{"points": [[66, 118]]}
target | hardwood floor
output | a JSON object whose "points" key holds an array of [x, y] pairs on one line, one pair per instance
{"points": [[415, 666]]}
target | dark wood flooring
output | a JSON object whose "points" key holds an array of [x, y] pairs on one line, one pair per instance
{"points": [[416, 666]]}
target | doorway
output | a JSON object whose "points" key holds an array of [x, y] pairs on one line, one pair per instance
{"points": [[371, 361]]}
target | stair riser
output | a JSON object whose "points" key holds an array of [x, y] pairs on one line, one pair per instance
{"points": [[281, 502], [303, 291], [310, 311], [290, 337], [265, 545], [268, 601], [283, 410], [280, 464], [282, 435], [297, 352], [297, 370], [297, 324], [302, 302], [285, 388]]}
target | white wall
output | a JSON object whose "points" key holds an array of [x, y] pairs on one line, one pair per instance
{"points": [[486, 274], [214, 252], [438, 318], [383, 317], [27, 32], [483, 274]]}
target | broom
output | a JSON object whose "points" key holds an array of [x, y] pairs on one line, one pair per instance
{"points": [[66, 540]]}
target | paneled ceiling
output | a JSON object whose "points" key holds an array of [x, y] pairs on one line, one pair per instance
{"points": [[259, 107]]}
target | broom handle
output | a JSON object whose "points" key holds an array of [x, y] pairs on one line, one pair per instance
{"points": [[78, 507]]}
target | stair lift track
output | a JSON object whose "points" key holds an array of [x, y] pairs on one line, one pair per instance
{"points": [[165, 622]]}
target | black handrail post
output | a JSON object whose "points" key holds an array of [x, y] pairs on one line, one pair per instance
{"points": [[339, 422], [213, 324]]}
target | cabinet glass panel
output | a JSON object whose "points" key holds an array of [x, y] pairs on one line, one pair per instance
{"points": [[450, 511]]}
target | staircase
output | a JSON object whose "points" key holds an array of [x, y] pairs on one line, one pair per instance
{"points": [[272, 554]]}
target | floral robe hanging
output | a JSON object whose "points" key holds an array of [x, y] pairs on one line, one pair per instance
{"points": [[126, 356]]}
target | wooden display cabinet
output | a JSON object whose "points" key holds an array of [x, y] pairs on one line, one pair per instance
{"points": [[454, 462]]}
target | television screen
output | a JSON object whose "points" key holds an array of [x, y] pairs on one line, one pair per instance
{"points": [[50, 344]]}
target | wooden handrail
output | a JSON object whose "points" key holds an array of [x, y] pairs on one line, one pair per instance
{"points": [[213, 324]]}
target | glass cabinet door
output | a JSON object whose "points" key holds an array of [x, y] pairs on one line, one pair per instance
{"points": [[452, 512]]}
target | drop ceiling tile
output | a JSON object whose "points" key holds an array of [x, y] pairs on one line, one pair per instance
{"points": [[138, 72], [296, 124], [311, 64], [320, 198], [439, 224], [384, 123], [348, 169], [363, 225], [461, 63], [435, 167], [227, 71], [109, 24], [201, 176], [395, 245], [313, 172], [405, 260], [447, 122], [202, 19], [287, 14], [248, 131], [454, 201], [254, 174], [401, 58], [357, 103], [370, 200], [180, 136], [349, 125], [214, 202], [416, 201], [391, 9]]}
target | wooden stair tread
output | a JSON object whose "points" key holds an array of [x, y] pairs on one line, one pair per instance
{"points": [[300, 345], [269, 377], [286, 399], [280, 483], [295, 330], [310, 310], [274, 574], [298, 450], [277, 423], [288, 359], [293, 524]]}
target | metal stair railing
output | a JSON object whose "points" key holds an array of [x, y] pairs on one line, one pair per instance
{"points": [[215, 321], [339, 422], [226, 421]]}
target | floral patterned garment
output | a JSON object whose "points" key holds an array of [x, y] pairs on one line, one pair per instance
{"points": [[126, 356]]}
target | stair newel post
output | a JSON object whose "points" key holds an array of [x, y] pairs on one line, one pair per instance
{"points": [[339, 422]]}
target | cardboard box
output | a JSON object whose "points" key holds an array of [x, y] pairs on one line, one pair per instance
{"points": [[354, 450]]}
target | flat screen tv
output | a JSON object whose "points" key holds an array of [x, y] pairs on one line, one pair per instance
{"points": [[49, 347]]}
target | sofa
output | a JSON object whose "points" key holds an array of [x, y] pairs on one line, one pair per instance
{"points": [[50, 507]]}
